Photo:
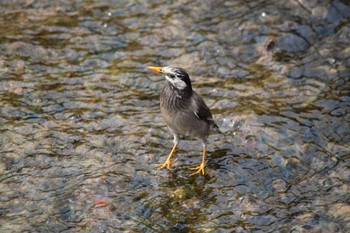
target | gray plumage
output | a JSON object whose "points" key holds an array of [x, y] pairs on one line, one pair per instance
{"points": [[184, 111], [186, 114]]}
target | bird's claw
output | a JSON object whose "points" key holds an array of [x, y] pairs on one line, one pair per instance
{"points": [[199, 168], [166, 164]]}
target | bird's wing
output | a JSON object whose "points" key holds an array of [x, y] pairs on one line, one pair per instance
{"points": [[202, 111]]}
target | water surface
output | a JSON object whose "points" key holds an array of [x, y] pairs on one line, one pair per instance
{"points": [[81, 131]]}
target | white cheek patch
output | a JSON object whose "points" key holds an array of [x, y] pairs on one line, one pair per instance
{"points": [[178, 83]]}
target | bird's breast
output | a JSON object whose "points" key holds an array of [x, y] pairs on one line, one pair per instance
{"points": [[179, 116]]}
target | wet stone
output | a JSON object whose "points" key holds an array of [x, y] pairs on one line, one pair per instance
{"points": [[292, 43]]}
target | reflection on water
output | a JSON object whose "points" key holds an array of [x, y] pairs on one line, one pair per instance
{"points": [[81, 130]]}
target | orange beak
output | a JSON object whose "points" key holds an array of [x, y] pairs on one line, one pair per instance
{"points": [[155, 69]]}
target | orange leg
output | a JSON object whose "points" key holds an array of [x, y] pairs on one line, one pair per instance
{"points": [[201, 167], [167, 162]]}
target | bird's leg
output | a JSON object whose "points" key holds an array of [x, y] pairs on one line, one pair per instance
{"points": [[167, 162], [200, 168]]}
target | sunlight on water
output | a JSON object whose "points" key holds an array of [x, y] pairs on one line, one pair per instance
{"points": [[81, 130]]}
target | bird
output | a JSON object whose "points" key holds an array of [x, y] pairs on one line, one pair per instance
{"points": [[185, 112]]}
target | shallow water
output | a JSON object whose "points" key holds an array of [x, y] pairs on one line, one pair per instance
{"points": [[81, 131]]}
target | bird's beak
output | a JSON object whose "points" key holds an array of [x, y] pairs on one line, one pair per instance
{"points": [[155, 69]]}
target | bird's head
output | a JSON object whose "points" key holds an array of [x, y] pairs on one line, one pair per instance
{"points": [[176, 77]]}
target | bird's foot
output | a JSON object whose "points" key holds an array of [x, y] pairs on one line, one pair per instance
{"points": [[166, 164], [199, 168]]}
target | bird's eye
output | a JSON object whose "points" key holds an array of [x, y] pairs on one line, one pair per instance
{"points": [[172, 76]]}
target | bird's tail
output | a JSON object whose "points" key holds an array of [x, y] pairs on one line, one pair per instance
{"points": [[216, 128]]}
